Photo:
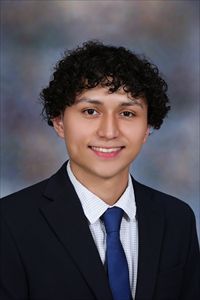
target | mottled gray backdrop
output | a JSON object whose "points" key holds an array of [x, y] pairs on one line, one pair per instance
{"points": [[34, 35]]}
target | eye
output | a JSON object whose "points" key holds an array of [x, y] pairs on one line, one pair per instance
{"points": [[90, 112], [128, 114]]}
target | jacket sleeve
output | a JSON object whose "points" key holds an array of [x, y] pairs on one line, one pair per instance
{"points": [[191, 277], [13, 283]]}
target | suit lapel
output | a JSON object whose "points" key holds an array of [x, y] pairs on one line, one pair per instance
{"points": [[150, 226], [65, 216]]}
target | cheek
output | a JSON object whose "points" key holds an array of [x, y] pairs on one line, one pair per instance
{"points": [[135, 133], [75, 134]]}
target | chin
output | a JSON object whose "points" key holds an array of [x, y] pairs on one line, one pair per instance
{"points": [[109, 172]]}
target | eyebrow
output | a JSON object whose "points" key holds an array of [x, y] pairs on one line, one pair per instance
{"points": [[132, 102]]}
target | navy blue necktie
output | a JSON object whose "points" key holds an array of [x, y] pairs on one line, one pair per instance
{"points": [[115, 257]]}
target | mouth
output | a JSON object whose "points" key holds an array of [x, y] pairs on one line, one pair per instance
{"points": [[106, 152]]}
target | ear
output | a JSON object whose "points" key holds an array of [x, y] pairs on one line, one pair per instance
{"points": [[58, 125], [147, 133]]}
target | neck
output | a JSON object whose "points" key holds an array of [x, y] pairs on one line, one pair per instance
{"points": [[107, 189]]}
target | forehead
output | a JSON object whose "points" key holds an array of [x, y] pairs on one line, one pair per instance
{"points": [[101, 95]]}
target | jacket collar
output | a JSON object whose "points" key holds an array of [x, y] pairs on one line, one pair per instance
{"points": [[150, 218], [64, 213], [65, 217]]}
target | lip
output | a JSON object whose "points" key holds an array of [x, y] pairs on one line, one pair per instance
{"points": [[106, 152]]}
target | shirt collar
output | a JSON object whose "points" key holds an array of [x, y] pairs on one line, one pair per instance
{"points": [[94, 207]]}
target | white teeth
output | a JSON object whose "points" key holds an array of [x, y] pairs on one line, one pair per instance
{"points": [[105, 150]]}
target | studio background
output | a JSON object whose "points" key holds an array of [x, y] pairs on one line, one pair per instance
{"points": [[34, 35]]}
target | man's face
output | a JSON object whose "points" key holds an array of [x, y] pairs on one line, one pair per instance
{"points": [[103, 133]]}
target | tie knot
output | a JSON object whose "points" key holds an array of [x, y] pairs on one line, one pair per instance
{"points": [[112, 219]]}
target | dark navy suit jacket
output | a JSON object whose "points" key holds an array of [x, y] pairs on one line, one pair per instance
{"points": [[48, 253]]}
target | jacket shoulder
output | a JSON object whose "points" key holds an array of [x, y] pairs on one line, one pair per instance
{"points": [[169, 204], [23, 200], [25, 203]]}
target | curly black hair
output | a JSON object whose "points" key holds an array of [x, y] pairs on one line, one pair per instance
{"points": [[95, 64]]}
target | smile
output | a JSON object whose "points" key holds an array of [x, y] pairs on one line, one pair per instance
{"points": [[106, 153], [106, 150]]}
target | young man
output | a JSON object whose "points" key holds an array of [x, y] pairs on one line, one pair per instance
{"points": [[91, 231]]}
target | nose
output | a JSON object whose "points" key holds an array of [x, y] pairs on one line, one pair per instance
{"points": [[108, 128]]}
